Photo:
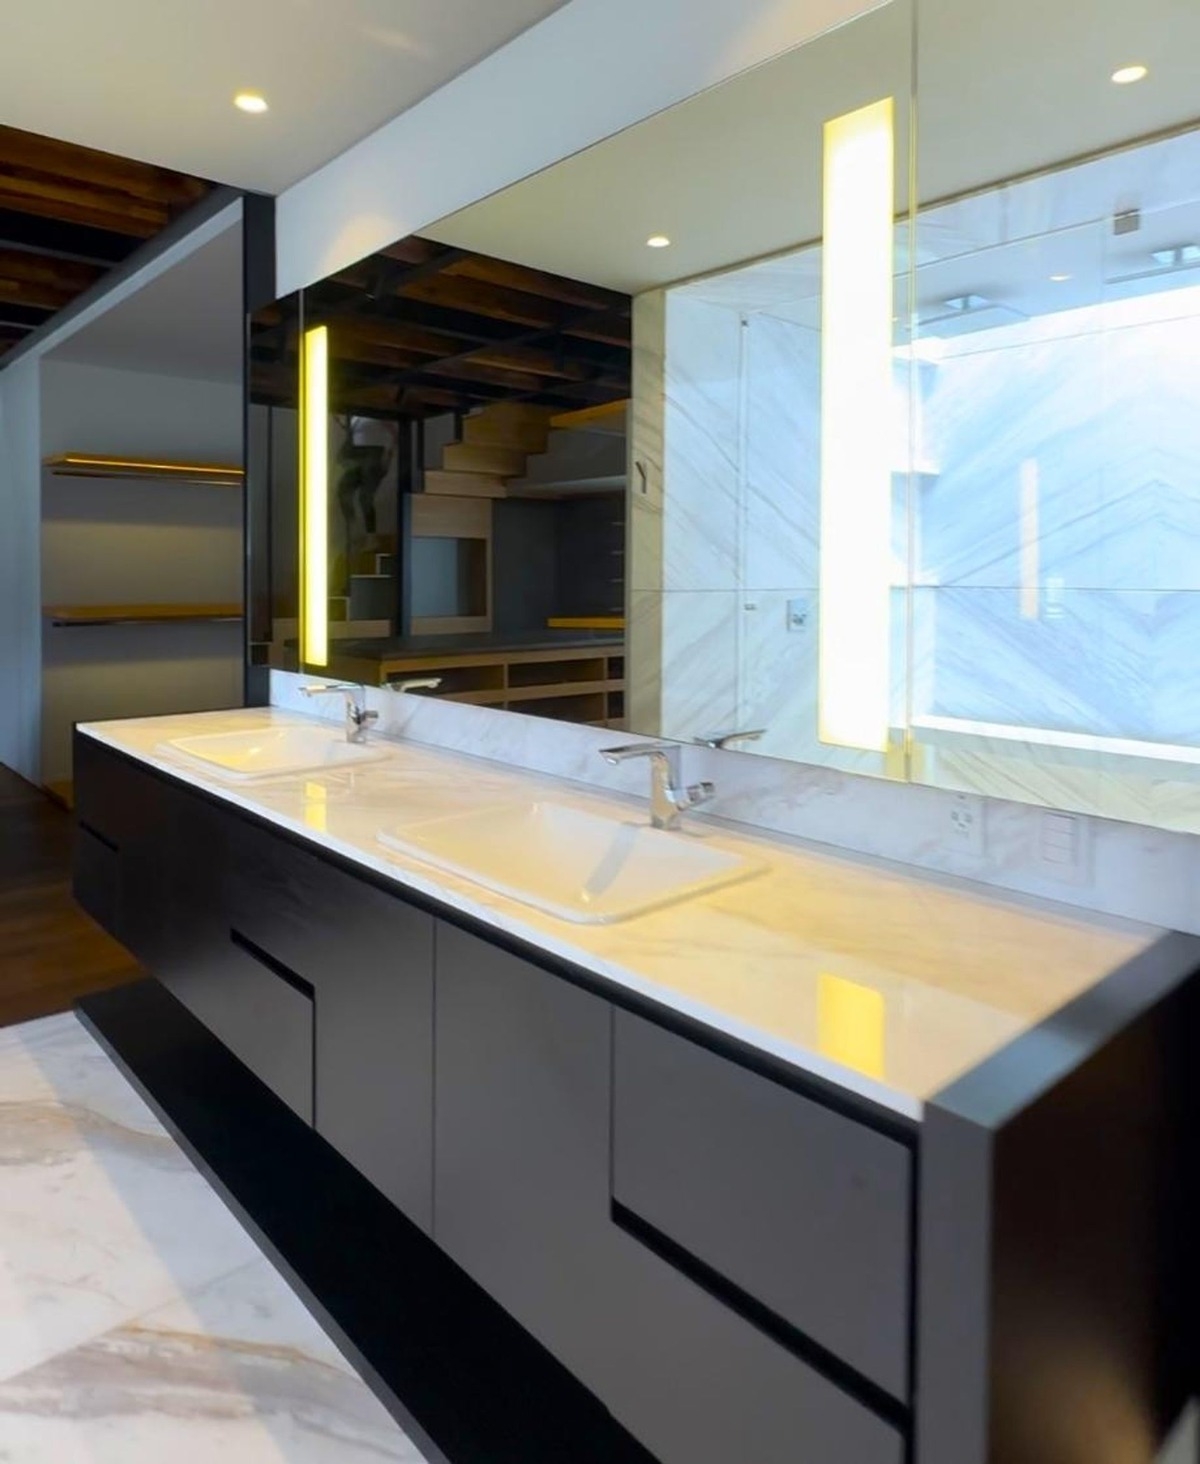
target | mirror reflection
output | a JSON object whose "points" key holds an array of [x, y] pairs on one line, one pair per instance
{"points": [[777, 423]]}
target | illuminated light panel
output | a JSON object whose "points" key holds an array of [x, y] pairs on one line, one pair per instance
{"points": [[851, 1024], [854, 647], [314, 498], [1127, 75], [252, 102], [658, 241]]}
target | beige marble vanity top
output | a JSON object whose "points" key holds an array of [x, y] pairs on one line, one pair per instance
{"points": [[888, 981]]}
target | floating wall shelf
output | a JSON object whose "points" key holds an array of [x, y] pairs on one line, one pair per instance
{"points": [[75, 615], [90, 465]]}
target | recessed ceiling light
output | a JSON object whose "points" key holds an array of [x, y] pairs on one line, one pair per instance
{"points": [[658, 241], [250, 102], [1127, 75], [1059, 279]]}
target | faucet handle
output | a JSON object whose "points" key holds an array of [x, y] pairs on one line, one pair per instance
{"points": [[727, 739], [697, 794]]}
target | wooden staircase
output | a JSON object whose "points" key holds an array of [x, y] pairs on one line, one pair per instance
{"points": [[495, 446]]}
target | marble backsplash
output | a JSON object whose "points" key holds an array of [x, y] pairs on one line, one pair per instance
{"points": [[1123, 868]]}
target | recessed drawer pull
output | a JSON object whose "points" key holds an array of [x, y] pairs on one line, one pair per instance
{"points": [[277, 968], [97, 835]]}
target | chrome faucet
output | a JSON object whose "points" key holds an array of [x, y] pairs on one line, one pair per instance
{"points": [[358, 719], [727, 739], [416, 683], [668, 797]]}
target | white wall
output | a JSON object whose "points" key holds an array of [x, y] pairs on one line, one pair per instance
{"points": [[107, 541], [589, 70]]}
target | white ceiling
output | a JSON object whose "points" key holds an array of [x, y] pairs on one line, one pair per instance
{"points": [[186, 322], [733, 174], [154, 79]]}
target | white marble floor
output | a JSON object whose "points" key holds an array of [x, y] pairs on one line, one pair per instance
{"points": [[139, 1323]]}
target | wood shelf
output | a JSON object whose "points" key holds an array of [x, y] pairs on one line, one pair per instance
{"points": [[92, 465], [586, 622], [75, 615]]}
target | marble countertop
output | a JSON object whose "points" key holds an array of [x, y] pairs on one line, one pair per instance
{"points": [[887, 981]]}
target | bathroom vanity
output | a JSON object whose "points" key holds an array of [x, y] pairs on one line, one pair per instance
{"points": [[834, 1164]]}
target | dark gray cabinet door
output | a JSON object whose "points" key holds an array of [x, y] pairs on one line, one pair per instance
{"points": [[523, 1202], [699, 1384], [264, 1018], [522, 1141], [804, 1210], [368, 958]]}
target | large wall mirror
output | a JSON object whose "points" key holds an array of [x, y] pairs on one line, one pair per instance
{"points": [[848, 404]]}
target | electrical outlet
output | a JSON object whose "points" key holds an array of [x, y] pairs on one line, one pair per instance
{"points": [[1065, 847], [967, 824]]}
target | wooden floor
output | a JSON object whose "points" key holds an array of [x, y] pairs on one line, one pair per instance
{"points": [[50, 951]]}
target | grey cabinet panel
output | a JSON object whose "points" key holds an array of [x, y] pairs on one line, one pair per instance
{"points": [[252, 1009], [522, 1141], [262, 1020], [523, 1201], [369, 959], [697, 1384], [803, 1209], [96, 874]]}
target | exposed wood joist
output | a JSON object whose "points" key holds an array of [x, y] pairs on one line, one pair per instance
{"points": [[69, 213], [421, 328]]}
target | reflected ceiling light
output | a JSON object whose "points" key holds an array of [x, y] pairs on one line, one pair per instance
{"points": [[1059, 279], [658, 241], [248, 101], [1127, 75]]}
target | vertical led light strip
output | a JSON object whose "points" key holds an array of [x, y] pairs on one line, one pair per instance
{"points": [[856, 414], [314, 498]]}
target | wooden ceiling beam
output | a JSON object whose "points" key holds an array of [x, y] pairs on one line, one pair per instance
{"points": [[49, 203], [539, 282], [22, 292], [142, 182], [37, 269], [44, 186], [476, 297]]}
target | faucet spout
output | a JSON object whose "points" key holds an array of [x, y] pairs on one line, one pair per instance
{"points": [[358, 718], [669, 798]]}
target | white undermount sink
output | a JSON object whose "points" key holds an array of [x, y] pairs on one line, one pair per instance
{"points": [[577, 865], [269, 752]]}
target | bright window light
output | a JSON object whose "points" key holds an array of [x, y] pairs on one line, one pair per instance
{"points": [[314, 498], [856, 405]]}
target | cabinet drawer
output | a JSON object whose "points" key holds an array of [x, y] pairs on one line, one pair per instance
{"points": [[698, 1384], [262, 1018], [800, 1209], [97, 878], [368, 957]]}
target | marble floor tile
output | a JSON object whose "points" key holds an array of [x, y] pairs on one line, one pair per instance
{"points": [[237, 1371], [138, 1321]]}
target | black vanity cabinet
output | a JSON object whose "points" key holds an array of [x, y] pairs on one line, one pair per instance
{"points": [[723, 1250], [319, 983]]}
